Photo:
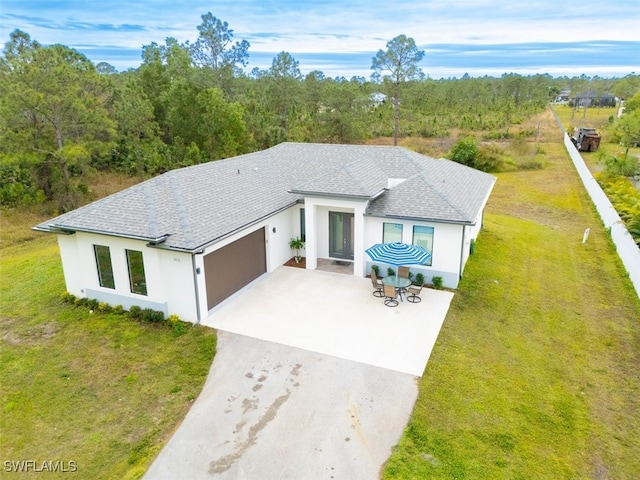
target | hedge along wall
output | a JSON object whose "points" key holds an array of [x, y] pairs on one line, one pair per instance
{"points": [[627, 249]]}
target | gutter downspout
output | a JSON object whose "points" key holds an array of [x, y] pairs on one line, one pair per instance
{"points": [[464, 229], [195, 287]]}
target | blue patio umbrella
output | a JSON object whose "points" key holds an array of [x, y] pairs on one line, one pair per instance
{"points": [[398, 254]]}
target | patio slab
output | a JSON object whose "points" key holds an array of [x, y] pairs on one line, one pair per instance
{"points": [[335, 314]]}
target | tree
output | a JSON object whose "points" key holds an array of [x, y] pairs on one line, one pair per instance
{"points": [[215, 49], [139, 143], [285, 87], [401, 61], [105, 68], [221, 126], [54, 111], [626, 130], [633, 104]]}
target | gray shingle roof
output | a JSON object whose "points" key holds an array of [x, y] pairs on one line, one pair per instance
{"points": [[195, 206]]}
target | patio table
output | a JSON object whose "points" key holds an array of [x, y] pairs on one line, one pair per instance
{"points": [[401, 283]]}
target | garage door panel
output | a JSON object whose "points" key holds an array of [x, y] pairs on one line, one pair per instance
{"points": [[233, 266]]}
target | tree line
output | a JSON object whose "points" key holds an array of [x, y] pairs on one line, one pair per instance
{"points": [[61, 116]]}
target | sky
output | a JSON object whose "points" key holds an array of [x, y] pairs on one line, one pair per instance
{"points": [[340, 37]]}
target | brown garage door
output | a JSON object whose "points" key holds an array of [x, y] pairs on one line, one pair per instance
{"points": [[230, 268]]}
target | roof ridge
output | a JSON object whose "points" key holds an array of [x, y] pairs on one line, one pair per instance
{"points": [[152, 215], [182, 210]]}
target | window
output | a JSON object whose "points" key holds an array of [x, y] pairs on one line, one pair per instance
{"points": [[303, 231], [103, 263], [423, 236], [137, 279], [391, 232]]}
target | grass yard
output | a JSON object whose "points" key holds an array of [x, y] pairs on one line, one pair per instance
{"points": [[535, 372], [99, 390]]}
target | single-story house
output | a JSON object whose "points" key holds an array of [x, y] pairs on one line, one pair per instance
{"points": [[184, 241]]}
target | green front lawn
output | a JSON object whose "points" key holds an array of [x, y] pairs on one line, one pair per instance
{"points": [[535, 372], [99, 390]]}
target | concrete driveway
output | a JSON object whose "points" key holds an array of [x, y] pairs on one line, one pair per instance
{"points": [[336, 315], [270, 411], [314, 378]]}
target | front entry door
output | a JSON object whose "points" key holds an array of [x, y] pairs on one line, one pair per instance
{"points": [[341, 235]]}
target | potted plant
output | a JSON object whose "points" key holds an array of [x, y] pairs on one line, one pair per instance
{"points": [[376, 269], [419, 279], [296, 244]]}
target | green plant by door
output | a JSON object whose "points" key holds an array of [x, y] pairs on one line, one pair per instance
{"points": [[296, 244]]}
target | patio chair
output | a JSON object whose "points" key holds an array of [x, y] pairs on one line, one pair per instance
{"points": [[377, 285], [390, 296], [403, 272], [414, 293]]}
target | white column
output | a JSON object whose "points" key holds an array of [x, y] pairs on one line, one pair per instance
{"points": [[358, 240], [311, 243]]}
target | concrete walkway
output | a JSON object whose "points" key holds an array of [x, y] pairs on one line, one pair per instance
{"points": [[336, 315]]}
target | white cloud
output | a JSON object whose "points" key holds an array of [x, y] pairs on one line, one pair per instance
{"points": [[330, 26]]}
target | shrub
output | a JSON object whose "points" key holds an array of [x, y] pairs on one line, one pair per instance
{"points": [[419, 279], [497, 135], [437, 282], [118, 309], [92, 303], [152, 316], [135, 312], [178, 326], [465, 151], [67, 297], [390, 271], [104, 307], [490, 158]]}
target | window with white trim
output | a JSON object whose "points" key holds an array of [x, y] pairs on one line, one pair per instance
{"points": [[137, 280], [391, 232], [423, 236], [103, 264]]}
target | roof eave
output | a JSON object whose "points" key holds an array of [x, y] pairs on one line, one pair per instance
{"points": [[68, 230], [423, 219], [339, 195]]}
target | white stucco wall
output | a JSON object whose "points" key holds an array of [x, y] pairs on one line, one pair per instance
{"points": [[175, 280], [447, 246], [71, 264], [168, 274]]}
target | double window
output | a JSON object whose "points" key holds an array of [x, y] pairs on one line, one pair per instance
{"points": [[135, 265]]}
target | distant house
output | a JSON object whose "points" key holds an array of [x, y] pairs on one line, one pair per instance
{"points": [[377, 99], [184, 241], [563, 96], [593, 99]]}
